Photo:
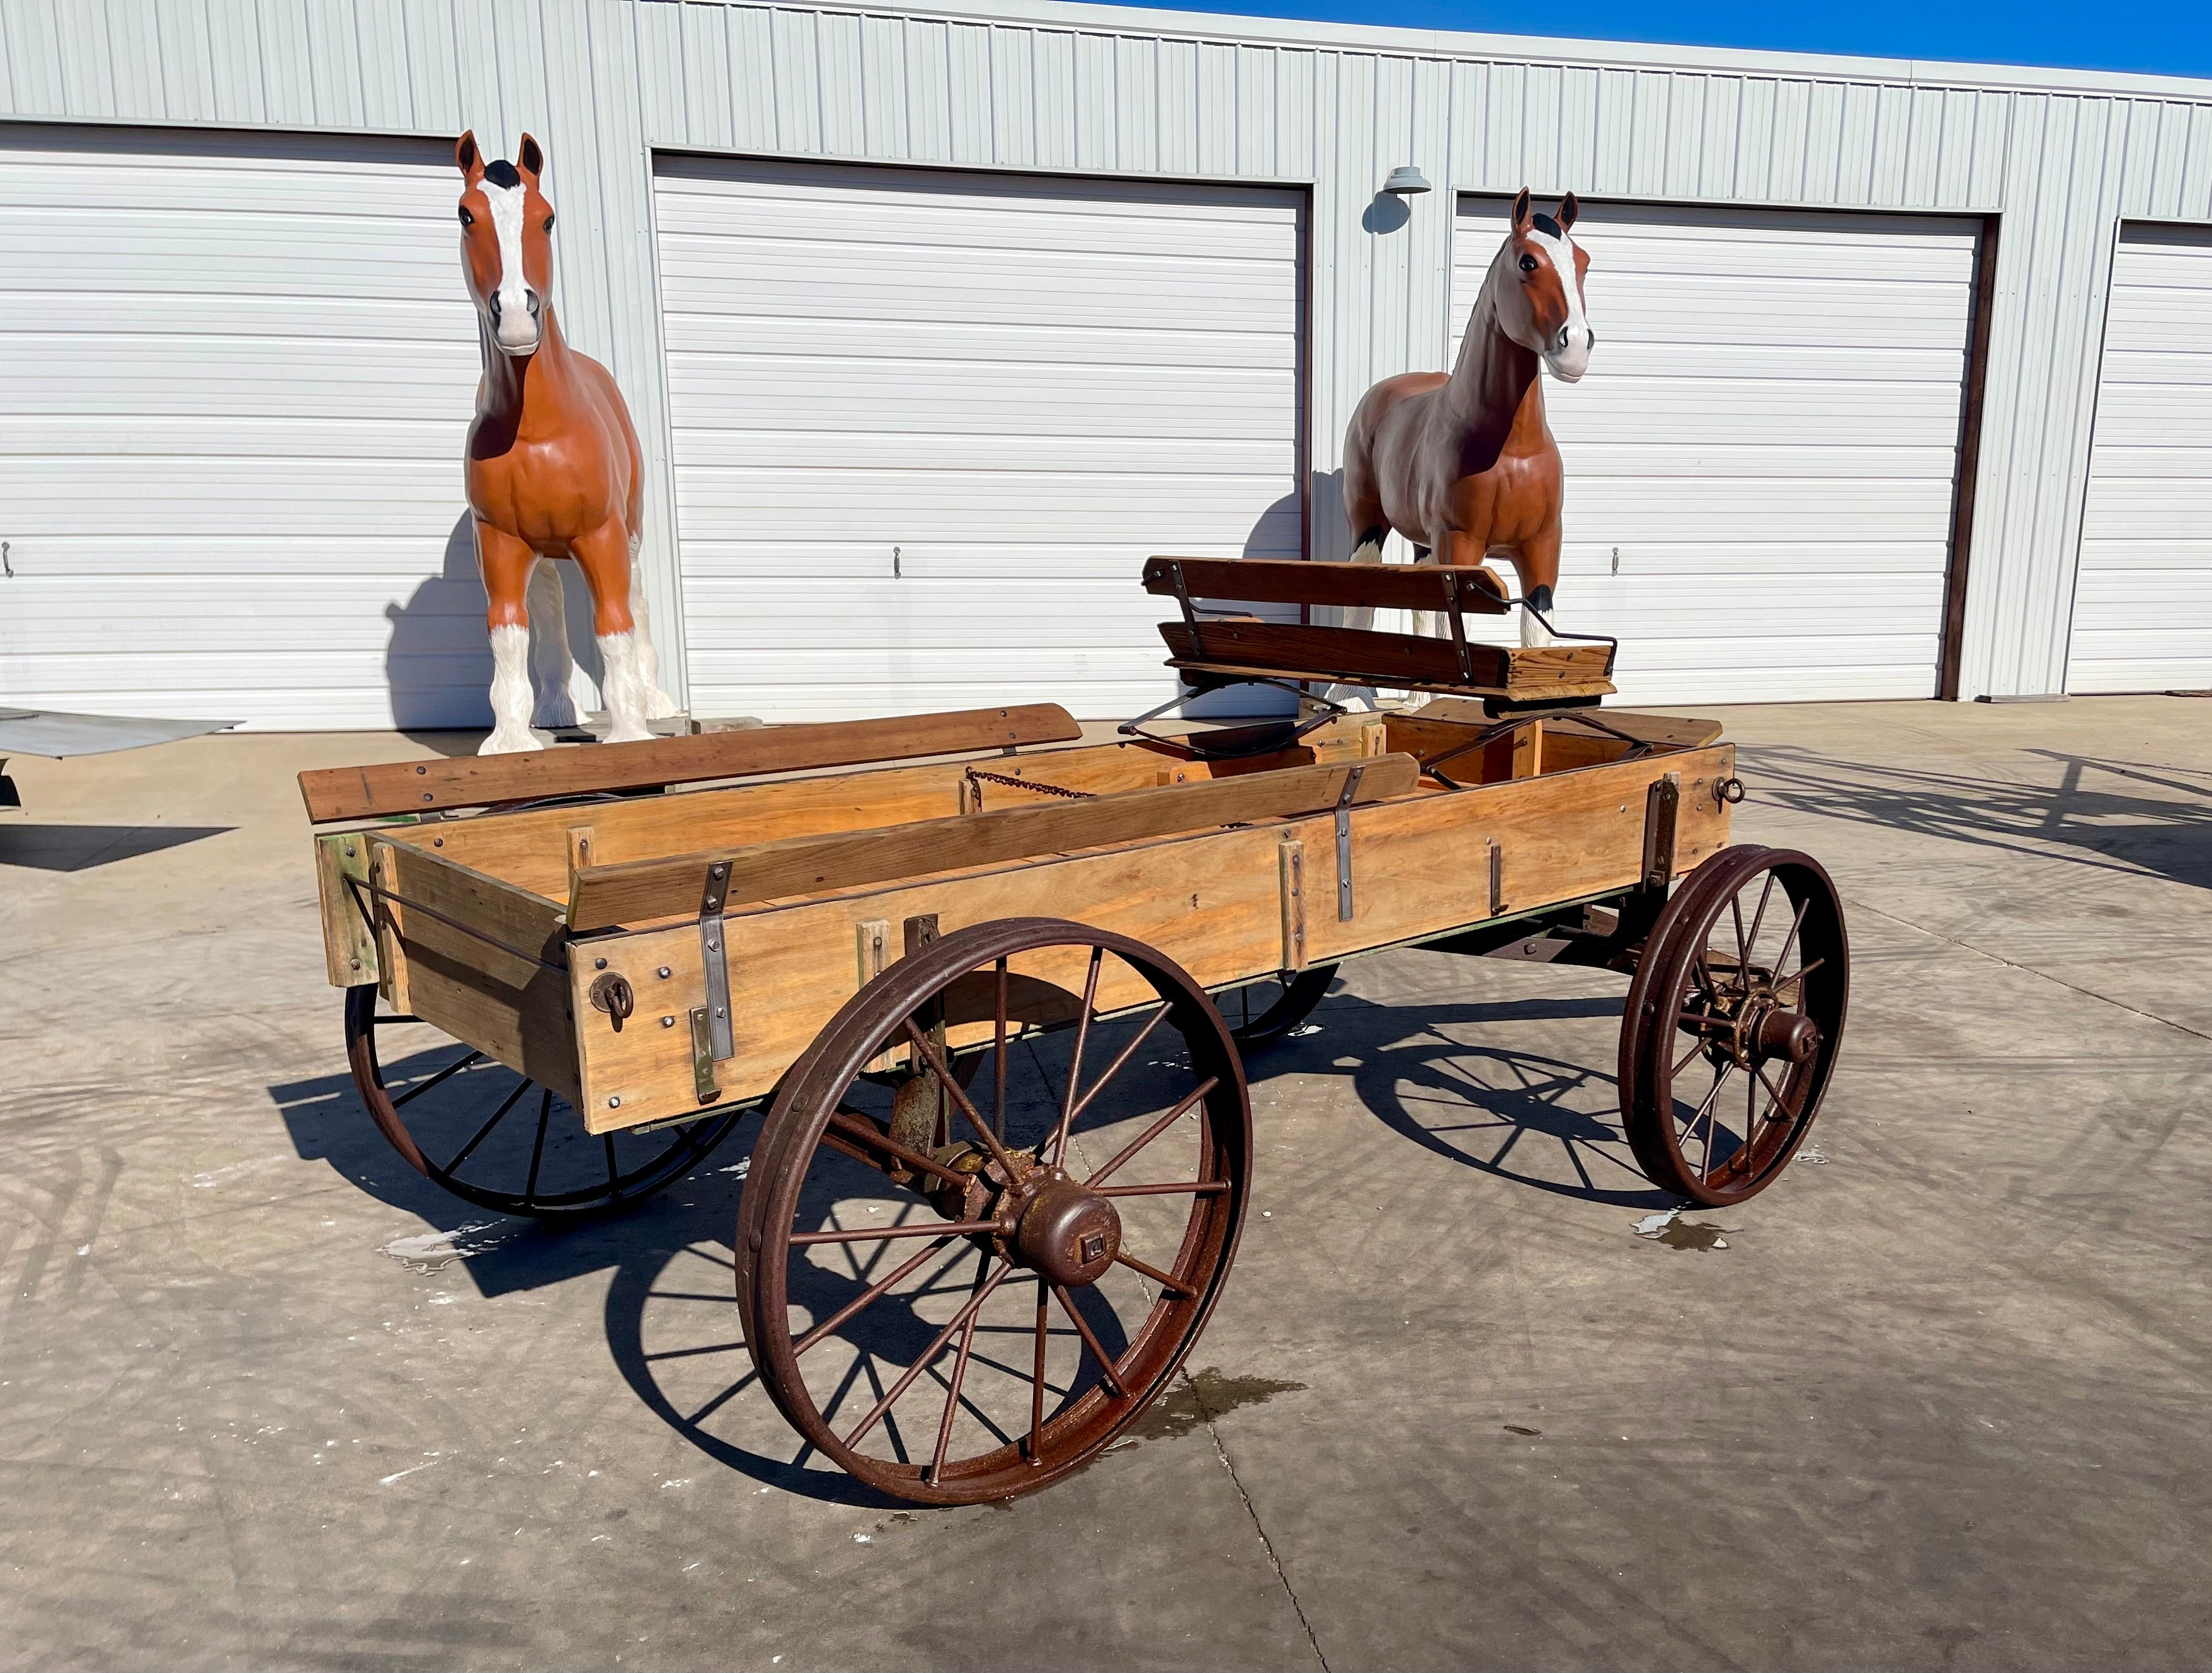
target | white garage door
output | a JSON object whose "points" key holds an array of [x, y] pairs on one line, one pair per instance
{"points": [[928, 426], [238, 374], [1759, 465], [2142, 598]]}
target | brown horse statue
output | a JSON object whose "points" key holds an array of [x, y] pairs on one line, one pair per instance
{"points": [[554, 470], [1462, 464]]}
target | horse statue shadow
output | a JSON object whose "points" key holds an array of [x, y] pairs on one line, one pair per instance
{"points": [[437, 664]]}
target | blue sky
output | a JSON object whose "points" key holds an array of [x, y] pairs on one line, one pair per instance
{"points": [[2161, 39]]}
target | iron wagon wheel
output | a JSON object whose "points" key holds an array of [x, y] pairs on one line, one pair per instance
{"points": [[1262, 1013], [1029, 1285], [499, 1139], [1747, 972]]}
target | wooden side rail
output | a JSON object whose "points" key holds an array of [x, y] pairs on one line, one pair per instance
{"points": [[1403, 586], [475, 781], [642, 891]]}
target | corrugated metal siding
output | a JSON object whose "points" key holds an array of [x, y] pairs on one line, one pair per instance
{"points": [[604, 81]]}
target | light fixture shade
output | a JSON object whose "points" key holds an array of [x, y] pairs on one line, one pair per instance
{"points": [[1405, 179]]}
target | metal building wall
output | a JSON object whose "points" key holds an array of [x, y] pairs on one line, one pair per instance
{"points": [[1036, 84]]}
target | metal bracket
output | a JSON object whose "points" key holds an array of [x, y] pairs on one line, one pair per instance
{"points": [[1190, 612], [1497, 876], [1661, 806], [1458, 627], [723, 1042], [1343, 843], [702, 1056]]}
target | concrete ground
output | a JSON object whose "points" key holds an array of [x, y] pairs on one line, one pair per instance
{"points": [[1937, 1400]]}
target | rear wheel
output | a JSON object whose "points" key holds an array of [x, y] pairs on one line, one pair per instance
{"points": [[1733, 1021], [499, 1139]]}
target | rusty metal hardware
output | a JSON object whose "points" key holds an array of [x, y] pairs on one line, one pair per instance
{"points": [[1662, 803], [612, 993], [1497, 876], [1343, 843], [702, 1056], [1730, 791], [975, 776], [712, 943], [357, 885]]}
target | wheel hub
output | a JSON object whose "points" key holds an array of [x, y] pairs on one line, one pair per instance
{"points": [[1069, 1234]]}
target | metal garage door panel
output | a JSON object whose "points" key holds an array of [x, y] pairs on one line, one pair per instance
{"points": [[1768, 438], [240, 373], [1025, 387], [2142, 593]]}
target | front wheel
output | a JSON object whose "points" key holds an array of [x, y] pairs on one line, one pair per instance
{"points": [[1733, 1020], [961, 1298]]}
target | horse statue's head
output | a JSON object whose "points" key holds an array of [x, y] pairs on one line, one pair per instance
{"points": [[1543, 310], [506, 243]]}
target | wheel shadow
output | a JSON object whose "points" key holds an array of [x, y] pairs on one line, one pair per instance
{"points": [[1532, 1117], [1546, 1120]]}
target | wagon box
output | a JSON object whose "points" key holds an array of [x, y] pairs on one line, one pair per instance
{"points": [[992, 987]]}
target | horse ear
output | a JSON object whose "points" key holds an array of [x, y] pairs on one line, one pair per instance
{"points": [[1521, 211], [466, 157], [1569, 209], [530, 160]]}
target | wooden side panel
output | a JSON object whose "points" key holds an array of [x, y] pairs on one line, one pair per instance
{"points": [[508, 1007], [1218, 903], [1293, 581], [1212, 902], [1415, 865], [365, 792], [645, 890], [348, 944]]}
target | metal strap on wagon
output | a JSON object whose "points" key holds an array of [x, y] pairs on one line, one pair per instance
{"points": [[357, 885]]}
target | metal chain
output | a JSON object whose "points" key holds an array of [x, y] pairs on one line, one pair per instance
{"points": [[976, 774]]}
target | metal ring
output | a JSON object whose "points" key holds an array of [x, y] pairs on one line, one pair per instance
{"points": [[1730, 791]]}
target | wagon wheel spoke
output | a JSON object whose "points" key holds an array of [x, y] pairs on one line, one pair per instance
{"points": [[438, 1079], [484, 1131], [929, 1054], [929, 1355], [1075, 1058], [1176, 1188], [1150, 1133], [1172, 1284], [1108, 1363]]}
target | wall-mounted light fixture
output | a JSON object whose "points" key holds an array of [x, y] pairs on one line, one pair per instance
{"points": [[1405, 180]]}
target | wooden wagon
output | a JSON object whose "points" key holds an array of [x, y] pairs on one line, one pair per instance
{"points": [[993, 989]]}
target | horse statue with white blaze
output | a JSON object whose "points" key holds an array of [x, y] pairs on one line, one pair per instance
{"points": [[1462, 464], [554, 470]]}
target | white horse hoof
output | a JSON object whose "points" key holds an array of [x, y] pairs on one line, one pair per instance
{"points": [[515, 740], [631, 734], [660, 707]]}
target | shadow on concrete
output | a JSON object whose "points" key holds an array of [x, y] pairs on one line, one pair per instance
{"points": [[81, 847], [671, 1318], [2097, 807], [1534, 1119]]}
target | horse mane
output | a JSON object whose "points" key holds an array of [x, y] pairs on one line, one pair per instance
{"points": [[1542, 223]]}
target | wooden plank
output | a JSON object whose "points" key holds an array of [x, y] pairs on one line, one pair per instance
{"points": [[643, 890], [348, 944], [526, 847], [509, 1008], [1289, 651], [1666, 730], [364, 792], [1417, 864], [1405, 586], [1214, 901]]}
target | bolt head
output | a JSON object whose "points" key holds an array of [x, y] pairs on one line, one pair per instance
{"points": [[663, 973], [667, 1022], [599, 963], [614, 1103]]}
